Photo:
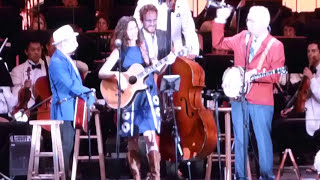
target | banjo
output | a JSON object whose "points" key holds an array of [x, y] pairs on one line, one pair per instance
{"points": [[232, 80]]}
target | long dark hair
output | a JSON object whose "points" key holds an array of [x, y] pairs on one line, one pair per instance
{"points": [[120, 31]]}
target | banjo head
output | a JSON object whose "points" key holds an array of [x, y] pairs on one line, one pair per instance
{"points": [[232, 81]]}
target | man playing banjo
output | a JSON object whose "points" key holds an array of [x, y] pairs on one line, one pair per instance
{"points": [[255, 51]]}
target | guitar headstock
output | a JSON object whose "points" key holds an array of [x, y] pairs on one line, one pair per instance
{"points": [[282, 70]]}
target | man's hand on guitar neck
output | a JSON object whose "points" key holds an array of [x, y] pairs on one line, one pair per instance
{"points": [[171, 58], [249, 74]]}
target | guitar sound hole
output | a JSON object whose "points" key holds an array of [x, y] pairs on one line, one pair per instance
{"points": [[132, 79]]}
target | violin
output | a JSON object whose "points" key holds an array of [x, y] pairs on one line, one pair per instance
{"points": [[303, 92], [24, 96]]}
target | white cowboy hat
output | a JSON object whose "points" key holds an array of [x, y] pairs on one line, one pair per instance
{"points": [[63, 33]]}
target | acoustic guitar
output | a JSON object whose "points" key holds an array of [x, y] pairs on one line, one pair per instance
{"points": [[135, 77]]}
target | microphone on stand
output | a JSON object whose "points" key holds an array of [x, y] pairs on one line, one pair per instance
{"points": [[118, 43]]}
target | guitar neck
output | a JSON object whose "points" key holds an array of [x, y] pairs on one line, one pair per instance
{"points": [[150, 69], [263, 74]]}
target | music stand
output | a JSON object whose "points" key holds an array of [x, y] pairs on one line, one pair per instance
{"points": [[81, 16], [170, 84], [295, 53]]}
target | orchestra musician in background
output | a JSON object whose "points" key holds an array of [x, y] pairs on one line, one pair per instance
{"points": [[312, 105], [34, 62], [249, 52], [7, 99], [66, 83], [38, 23], [182, 24], [7, 102]]}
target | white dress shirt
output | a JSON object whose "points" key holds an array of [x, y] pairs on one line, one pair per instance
{"points": [[7, 100], [313, 105], [152, 44], [181, 24]]}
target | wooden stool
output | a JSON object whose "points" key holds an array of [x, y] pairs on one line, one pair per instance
{"points": [[100, 155], [295, 166], [228, 157], [57, 153]]}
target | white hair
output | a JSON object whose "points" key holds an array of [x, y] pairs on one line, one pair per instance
{"points": [[261, 14]]}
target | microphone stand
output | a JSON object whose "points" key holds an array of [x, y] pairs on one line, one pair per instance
{"points": [[244, 113], [215, 96], [175, 133], [118, 114]]}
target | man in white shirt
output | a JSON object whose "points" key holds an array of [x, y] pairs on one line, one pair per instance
{"points": [[19, 74], [182, 24], [312, 104], [7, 101]]}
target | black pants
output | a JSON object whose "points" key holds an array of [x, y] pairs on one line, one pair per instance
{"points": [[4, 148], [67, 137]]}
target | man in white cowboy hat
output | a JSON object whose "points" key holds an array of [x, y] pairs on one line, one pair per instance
{"points": [[65, 84]]}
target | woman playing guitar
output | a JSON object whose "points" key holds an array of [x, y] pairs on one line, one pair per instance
{"points": [[142, 115]]}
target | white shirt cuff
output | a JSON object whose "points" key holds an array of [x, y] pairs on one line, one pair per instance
{"points": [[220, 20]]}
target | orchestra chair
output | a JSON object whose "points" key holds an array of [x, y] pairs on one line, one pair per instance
{"points": [[228, 157], [100, 156], [56, 154], [295, 166]]}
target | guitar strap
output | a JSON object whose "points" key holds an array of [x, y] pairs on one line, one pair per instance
{"points": [[265, 52]]}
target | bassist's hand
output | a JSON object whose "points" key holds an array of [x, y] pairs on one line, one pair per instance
{"points": [[171, 58]]}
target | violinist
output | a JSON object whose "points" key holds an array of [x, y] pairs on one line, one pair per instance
{"points": [[312, 104], [36, 65], [258, 106], [182, 24], [313, 52], [7, 101]]}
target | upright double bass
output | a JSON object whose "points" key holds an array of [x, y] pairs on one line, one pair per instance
{"points": [[196, 124]]}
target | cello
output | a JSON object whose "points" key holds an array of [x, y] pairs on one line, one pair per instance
{"points": [[42, 92], [196, 124]]}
